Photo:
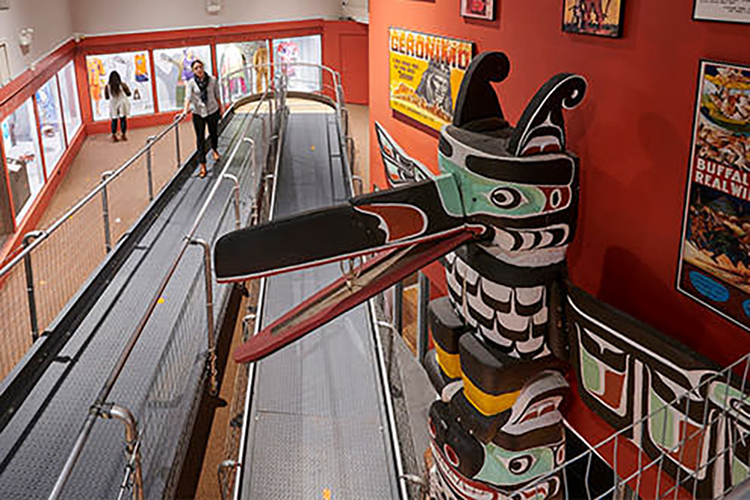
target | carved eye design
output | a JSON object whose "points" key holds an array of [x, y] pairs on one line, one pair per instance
{"points": [[555, 199], [451, 455], [507, 198], [431, 427], [560, 455], [521, 465]]}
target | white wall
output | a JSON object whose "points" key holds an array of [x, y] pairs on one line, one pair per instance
{"points": [[357, 10], [52, 23], [116, 16]]}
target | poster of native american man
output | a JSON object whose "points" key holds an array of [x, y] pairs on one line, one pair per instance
{"points": [[714, 266], [593, 17]]}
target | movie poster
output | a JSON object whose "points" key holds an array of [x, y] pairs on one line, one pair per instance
{"points": [[714, 265], [425, 75], [593, 17]]}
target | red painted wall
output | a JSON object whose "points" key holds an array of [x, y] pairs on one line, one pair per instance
{"points": [[345, 48], [632, 133]]}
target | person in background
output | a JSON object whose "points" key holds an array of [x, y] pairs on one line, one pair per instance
{"points": [[202, 97], [117, 92]]}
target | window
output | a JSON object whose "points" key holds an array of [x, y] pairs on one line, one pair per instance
{"points": [[237, 80], [70, 105], [172, 68], [21, 144], [304, 49], [134, 70], [50, 123]]}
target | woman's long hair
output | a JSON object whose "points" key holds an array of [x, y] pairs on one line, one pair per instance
{"points": [[115, 83]]}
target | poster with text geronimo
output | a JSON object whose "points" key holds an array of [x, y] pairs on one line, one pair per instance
{"points": [[714, 266], [425, 75]]}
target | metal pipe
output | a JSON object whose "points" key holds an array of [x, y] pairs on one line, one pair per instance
{"points": [[223, 466], [132, 448], [398, 308], [29, 271], [236, 193], [211, 366], [178, 118], [105, 211], [149, 142], [423, 333]]}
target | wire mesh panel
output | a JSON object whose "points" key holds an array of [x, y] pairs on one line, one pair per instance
{"points": [[64, 260], [15, 325], [694, 446], [127, 197]]}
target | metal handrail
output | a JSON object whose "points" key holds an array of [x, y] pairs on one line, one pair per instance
{"points": [[44, 234], [101, 398]]}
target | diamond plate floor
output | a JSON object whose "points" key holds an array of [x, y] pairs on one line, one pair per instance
{"points": [[317, 422]]}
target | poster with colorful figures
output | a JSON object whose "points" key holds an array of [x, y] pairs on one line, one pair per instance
{"points": [[425, 75], [714, 266], [173, 68], [134, 69]]}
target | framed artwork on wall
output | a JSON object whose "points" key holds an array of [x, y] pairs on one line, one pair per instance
{"points": [[714, 264], [478, 9], [593, 17], [734, 11]]}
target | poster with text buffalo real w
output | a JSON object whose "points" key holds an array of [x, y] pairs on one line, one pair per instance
{"points": [[425, 75], [714, 266]]}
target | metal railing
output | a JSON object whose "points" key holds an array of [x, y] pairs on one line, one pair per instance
{"points": [[196, 318], [40, 279]]}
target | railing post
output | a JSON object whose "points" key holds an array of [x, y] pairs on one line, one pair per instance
{"points": [[398, 307], [177, 140], [223, 483], [132, 445], [149, 142], [212, 371], [29, 271], [105, 212], [423, 334], [236, 191]]}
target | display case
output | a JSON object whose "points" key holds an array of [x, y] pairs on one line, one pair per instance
{"points": [[70, 105], [303, 49], [173, 70], [134, 69], [237, 79], [22, 158], [50, 123]]}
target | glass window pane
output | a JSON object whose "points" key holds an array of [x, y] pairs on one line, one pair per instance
{"points": [[238, 81], [304, 49], [48, 107], [172, 68], [70, 104], [134, 70], [21, 144]]}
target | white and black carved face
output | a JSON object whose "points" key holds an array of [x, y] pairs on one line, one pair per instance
{"points": [[519, 181]]}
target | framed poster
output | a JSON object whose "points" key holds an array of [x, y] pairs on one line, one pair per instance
{"points": [[134, 69], [593, 17], [173, 68], [301, 49], [425, 74], [238, 77], [714, 266], [730, 11], [478, 9]]}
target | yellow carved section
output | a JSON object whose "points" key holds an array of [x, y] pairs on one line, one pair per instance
{"points": [[449, 363], [487, 404]]}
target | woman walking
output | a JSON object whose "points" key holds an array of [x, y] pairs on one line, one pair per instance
{"points": [[117, 92], [202, 97]]}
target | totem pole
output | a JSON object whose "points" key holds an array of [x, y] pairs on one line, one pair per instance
{"points": [[500, 350], [501, 213]]}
